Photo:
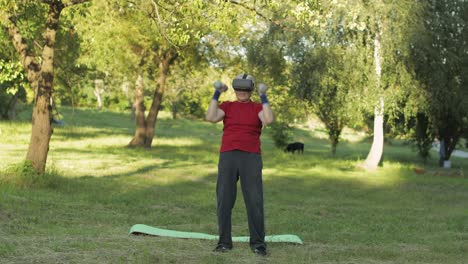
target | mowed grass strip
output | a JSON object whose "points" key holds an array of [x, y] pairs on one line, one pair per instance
{"points": [[95, 189]]}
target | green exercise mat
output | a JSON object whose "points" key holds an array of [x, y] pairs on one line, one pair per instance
{"points": [[154, 231]]}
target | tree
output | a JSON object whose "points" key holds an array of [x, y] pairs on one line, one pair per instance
{"points": [[324, 77], [70, 74], [148, 39], [386, 26], [423, 135], [189, 86], [37, 62], [327, 67], [267, 45], [379, 30], [13, 83], [439, 57]]}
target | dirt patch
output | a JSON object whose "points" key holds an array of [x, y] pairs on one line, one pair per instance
{"points": [[456, 173]]}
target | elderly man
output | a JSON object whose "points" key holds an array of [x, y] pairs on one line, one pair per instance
{"points": [[240, 157]]}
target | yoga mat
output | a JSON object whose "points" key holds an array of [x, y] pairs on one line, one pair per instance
{"points": [[154, 231]]}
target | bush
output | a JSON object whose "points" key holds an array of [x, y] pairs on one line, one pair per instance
{"points": [[422, 136], [281, 134]]}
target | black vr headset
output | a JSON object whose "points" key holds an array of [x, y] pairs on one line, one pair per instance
{"points": [[243, 84]]}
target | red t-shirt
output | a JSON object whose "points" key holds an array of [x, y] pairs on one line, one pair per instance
{"points": [[242, 126]]}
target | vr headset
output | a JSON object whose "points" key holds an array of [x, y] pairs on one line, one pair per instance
{"points": [[243, 84]]}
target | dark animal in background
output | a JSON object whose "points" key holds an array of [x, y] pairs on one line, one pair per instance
{"points": [[296, 146]]}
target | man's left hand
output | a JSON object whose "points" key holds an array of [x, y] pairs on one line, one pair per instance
{"points": [[262, 88]]}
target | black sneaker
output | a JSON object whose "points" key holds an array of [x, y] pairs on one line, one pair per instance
{"points": [[222, 248], [261, 251]]}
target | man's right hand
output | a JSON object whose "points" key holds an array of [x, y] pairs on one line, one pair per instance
{"points": [[214, 114], [218, 85]]}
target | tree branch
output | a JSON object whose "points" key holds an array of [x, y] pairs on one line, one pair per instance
{"points": [[75, 2], [253, 9], [64, 3], [160, 22], [28, 61]]}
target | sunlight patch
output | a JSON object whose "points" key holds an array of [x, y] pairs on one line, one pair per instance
{"points": [[180, 142], [351, 135], [375, 179], [185, 173], [12, 154], [111, 165], [94, 142]]}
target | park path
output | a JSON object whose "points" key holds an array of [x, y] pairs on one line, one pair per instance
{"points": [[455, 153], [460, 153]]}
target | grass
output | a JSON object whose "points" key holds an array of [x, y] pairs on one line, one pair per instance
{"points": [[96, 189]]}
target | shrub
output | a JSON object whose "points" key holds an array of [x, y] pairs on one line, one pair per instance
{"points": [[281, 134]]}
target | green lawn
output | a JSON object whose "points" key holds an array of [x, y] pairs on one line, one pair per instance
{"points": [[96, 189]]}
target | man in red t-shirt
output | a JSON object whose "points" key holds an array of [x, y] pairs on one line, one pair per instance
{"points": [[240, 157]]}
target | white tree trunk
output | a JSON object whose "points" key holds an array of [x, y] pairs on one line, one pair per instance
{"points": [[98, 90], [375, 153]]}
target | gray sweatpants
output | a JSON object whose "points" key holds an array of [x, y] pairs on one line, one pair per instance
{"points": [[247, 166]]}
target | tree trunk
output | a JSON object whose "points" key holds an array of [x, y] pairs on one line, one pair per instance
{"points": [[334, 132], [448, 138], [133, 110], [42, 111], [139, 137], [333, 147], [157, 100], [144, 133], [40, 75], [98, 90], [375, 153], [99, 100], [174, 111], [41, 132]]}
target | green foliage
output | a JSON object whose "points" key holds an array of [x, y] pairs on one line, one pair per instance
{"points": [[186, 105], [190, 88], [266, 59], [12, 83], [11, 73], [438, 57], [117, 40], [281, 133], [265, 56], [71, 76], [422, 135], [326, 85], [125, 39]]}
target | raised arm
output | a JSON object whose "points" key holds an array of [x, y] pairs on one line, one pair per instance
{"points": [[266, 115], [214, 114]]}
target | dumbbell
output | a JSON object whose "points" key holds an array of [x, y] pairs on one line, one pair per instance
{"points": [[262, 88], [218, 85]]}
